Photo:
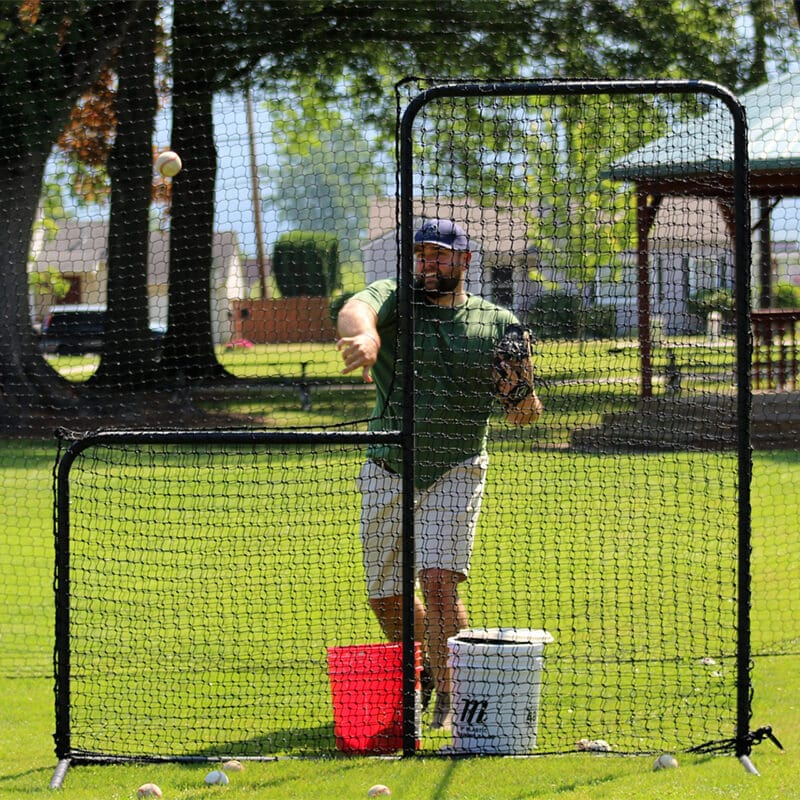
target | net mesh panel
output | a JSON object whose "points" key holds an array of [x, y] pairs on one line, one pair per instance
{"points": [[612, 522], [590, 489], [206, 585]]}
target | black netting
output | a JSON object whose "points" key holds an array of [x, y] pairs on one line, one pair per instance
{"points": [[613, 521], [609, 222]]}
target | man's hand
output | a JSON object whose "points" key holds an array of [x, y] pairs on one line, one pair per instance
{"points": [[359, 341], [359, 351]]}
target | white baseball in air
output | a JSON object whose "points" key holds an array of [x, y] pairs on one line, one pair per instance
{"points": [[217, 778], [665, 761], [379, 790], [169, 164], [149, 790]]}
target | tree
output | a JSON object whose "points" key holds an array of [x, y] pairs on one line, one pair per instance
{"points": [[353, 51], [585, 222], [326, 50], [50, 54], [196, 63], [217, 46], [580, 228], [726, 42], [602, 39], [127, 360], [324, 180]]}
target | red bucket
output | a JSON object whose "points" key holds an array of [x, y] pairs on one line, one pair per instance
{"points": [[367, 692]]}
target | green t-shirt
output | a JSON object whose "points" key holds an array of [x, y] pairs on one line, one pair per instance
{"points": [[453, 382]]}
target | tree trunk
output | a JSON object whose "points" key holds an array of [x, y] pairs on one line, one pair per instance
{"points": [[26, 381], [128, 349], [189, 348]]}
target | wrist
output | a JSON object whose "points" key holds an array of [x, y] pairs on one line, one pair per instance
{"points": [[374, 339]]}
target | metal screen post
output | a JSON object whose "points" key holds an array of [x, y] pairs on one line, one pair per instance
{"points": [[61, 653], [63, 738], [741, 199], [744, 347], [406, 331]]}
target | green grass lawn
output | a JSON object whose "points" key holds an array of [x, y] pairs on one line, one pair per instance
{"points": [[242, 566], [629, 560], [26, 764], [27, 760], [557, 360]]}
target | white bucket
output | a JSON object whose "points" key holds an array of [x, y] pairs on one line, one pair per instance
{"points": [[497, 682]]}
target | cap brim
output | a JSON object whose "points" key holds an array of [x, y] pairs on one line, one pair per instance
{"points": [[443, 245], [437, 243]]}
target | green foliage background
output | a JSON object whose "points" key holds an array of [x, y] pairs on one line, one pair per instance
{"points": [[307, 263]]}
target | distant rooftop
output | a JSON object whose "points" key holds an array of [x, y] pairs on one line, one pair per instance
{"points": [[704, 145]]}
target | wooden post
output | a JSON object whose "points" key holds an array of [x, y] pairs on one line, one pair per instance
{"points": [[647, 206], [256, 199]]}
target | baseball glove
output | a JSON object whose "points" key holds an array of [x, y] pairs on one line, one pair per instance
{"points": [[512, 367]]}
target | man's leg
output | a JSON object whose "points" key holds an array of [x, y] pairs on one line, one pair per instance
{"points": [[446, 616], [389, 611], [381, 513], [447, 515]]}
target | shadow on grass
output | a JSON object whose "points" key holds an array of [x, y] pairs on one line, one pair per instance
{"points": [[312, 741]]}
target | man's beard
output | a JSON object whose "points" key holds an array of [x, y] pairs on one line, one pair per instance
{"points": [[444, 286]]}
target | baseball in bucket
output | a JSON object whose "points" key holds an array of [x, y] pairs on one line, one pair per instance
{"points": [[497, 683]]}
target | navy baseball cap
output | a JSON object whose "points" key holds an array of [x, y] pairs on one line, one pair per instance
{"points": [[444, 233]]}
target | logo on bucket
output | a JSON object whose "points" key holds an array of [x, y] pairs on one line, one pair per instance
{"points": [[474, 712]]}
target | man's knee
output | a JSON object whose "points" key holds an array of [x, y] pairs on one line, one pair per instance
{"points": [[389, 611], [439, 583], [386, 605]]}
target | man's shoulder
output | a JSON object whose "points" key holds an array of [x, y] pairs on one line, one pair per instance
{"points": [[378, 292], [384, 284], [481, 305]]}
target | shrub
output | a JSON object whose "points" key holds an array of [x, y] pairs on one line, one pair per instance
{"points": [[786, 295], [555, 316], [336, 305], [599, 322], [562, 316], [704, 302], [306, 264]]}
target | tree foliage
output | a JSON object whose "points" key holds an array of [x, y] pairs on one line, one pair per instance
{"points": [[55, 82], [717, 40], [787, 295], [87, 139], [310, 45], [318, 42], [325, 177]]}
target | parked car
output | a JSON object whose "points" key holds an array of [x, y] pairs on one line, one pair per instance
{"points": [[78, 329], [73, 329]]}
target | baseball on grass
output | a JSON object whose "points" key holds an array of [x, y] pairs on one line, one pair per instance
{"points": [[169, 164], [149, 790], [217, 778], [233, 765], [665, 761], [379, 790]]}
